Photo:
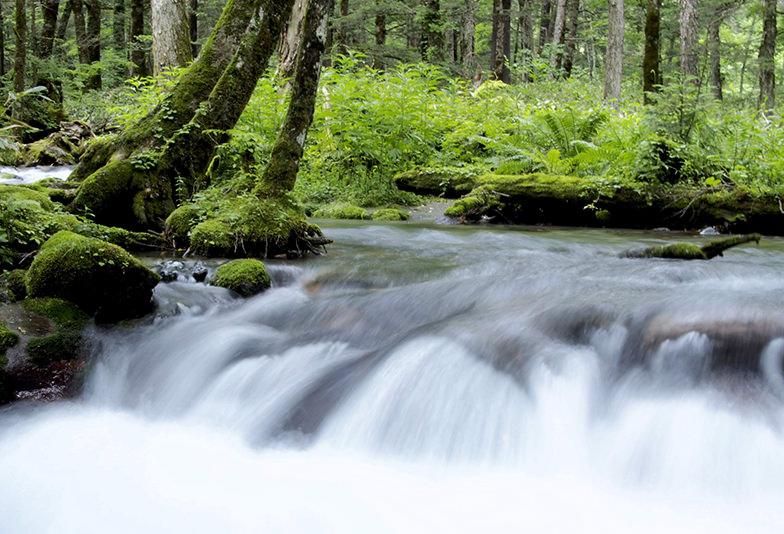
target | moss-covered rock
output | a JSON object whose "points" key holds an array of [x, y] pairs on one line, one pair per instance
{"points": [[448, 182], [180, 223], [390, 214], [692, 251], [246, 277], [13, 282], [8, 339], [99, 277], [213, 238], [56, 149], [62, 345], [341, 211], [63, 314]]}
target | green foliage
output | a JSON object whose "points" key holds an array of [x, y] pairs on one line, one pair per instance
{"points": [[341, 210]]}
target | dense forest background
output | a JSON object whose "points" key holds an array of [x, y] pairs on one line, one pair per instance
{"points": [[639, 90]]}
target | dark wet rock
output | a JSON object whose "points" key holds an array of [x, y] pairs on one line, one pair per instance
{"points": [[199, 271], [171, 270]]}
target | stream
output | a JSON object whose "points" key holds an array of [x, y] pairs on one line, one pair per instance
{"points": [[424, 378]]}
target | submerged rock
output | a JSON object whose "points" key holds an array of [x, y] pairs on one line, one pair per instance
{"points": [[691, 251], [244, 277], [199, 271], [101, 278]]}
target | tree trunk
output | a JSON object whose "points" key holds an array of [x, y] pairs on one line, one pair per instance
{"points": [[80, 31], [573, 17], [381, 40], [2, 43], [767, 55], [613, 69], [118, 25], [544, 25], [714, 51], [20, 55], [121, 192], [193, 26], [503, 41], [179, 106], [94, 42], [688, 24], [171, 37], [65, 16], [290, 39], [558, 36], [137, 30], [651, 60], [281, 172], [432, 38], [50, 10], [342, 39], [467, 36], [33, 31]]}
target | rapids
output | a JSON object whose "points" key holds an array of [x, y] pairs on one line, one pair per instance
{"points": [[420, 379]]}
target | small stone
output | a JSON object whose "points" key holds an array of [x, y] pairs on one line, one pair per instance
{"points": [[199, 272], [170, 270]]}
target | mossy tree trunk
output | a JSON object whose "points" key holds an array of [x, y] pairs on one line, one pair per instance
{"points": [[180, 105], [79, 29], [767, 57], [94, 42], [137, 186], [50, 9], [281, 172], [651, 59]]}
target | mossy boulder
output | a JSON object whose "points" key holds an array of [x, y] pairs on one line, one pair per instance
{"points": [[55, 149], [246, 277], [692, 251], [13, 285], [8, 339], [448, 182], [390, 214], [341, 211], [101, 278], [180, 223]]}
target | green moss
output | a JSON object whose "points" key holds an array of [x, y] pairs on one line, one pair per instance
{"points": [[14, 282], [8, 339], [28, 217], [677, 251], [55, 149], [99, 277], [62, 313], [213, 238], [479, 203], [341, 211], [441, 181], [245, 277], [180, 222], [66, 345], [390, 214]]}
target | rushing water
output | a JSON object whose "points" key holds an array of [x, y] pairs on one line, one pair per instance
{"points": [[429, 379], [31, 175]]}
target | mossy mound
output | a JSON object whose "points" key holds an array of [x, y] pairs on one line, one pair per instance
{"points": [[180, 223], [56, 149], [252, 226], [390, 214], [341, 211], [246, 277], [448, 182], [7, 340], [12, 284], [101, 278]]}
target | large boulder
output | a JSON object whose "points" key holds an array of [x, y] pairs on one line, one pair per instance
{"points": [[101, 278]]}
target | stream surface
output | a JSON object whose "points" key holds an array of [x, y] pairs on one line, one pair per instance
{"points": [[428, 379]]}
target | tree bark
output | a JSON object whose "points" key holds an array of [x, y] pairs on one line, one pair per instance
{"points": [[94, 42], [194, 27], [33, 31], [2, 43], [545, 20], [714, 51], [137, 30], [558, 37], [467, 37], [503, 41], [432, 39], [50, 10], [381, 39], [651, 60], [281, 172], [613, 69], [688, 25], [767, 55], [341, 37], [80, 31], [118, 25], [65, 16], [570, 49], [20, 55], [171, 37], [290, 39]]}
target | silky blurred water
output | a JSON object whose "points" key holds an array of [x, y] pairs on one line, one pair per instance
{"points": [[422, 378]]}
